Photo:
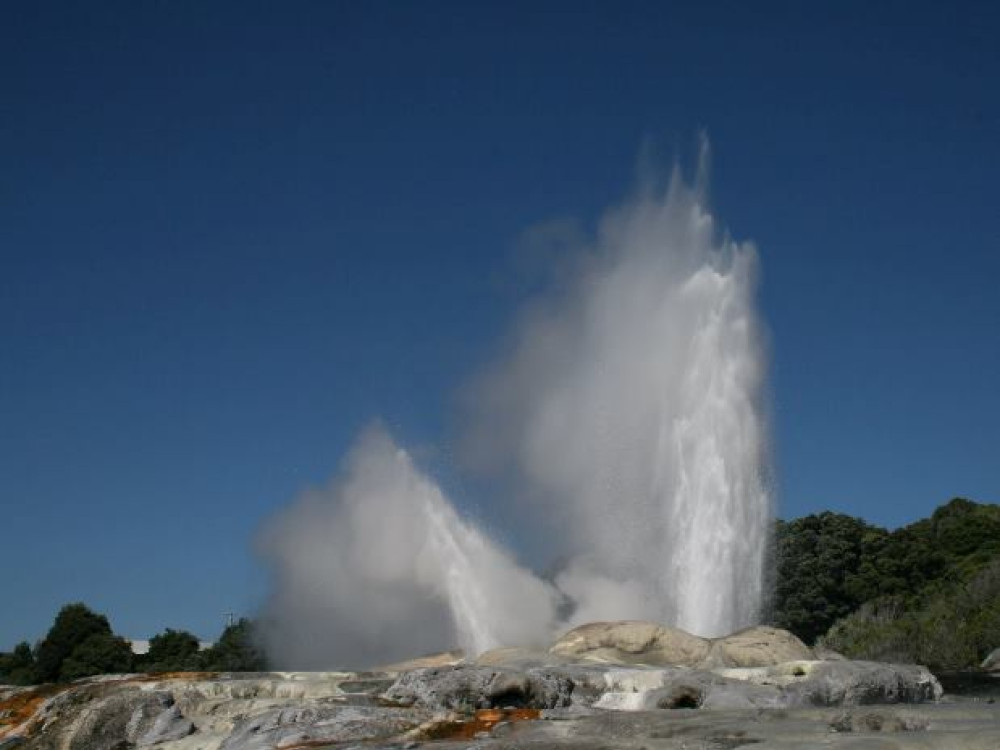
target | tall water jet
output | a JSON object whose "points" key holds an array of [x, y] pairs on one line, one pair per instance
{"points": [[632, 408]]}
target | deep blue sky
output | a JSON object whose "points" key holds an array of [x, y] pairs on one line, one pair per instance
{"points": [[232, 233]]}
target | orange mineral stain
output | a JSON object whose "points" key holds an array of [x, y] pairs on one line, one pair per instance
{"points": [[18, 709], [484, 720]]}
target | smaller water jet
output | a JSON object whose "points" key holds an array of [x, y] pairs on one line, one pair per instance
{"points": [[379, 566]]}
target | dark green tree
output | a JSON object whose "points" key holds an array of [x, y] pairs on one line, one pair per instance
{"points": [[99, 653], [74, 624], [18, 667], [172, 651], [967, 533], [827, 566], [237, 650]]}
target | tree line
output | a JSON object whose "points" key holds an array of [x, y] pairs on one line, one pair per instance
{"points": [[928, 592], [81, 643]]}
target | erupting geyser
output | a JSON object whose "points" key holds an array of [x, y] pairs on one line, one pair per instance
{"points": [[380, 566], [631, 412]]}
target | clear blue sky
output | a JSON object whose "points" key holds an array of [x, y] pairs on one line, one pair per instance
{"points": [[233, 232]]}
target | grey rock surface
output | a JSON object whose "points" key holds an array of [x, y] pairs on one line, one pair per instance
{"points": [[851, 683], [468, 687], [689, 689], [95, 718], [154, 722], [313, 725], [609, 685], [926, 727], [561, 706]]}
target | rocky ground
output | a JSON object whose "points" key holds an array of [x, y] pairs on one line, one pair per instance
{"points": [[606, 685]]}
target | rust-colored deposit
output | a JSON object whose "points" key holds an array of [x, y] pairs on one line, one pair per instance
{"points": [[307, 745], [19, 708], [484, 720]]}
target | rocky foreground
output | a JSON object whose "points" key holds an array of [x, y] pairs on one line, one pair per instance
{"points": [[604, 685]]}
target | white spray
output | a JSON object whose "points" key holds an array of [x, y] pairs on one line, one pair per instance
{"points": [[631, 411], [378, 566]]}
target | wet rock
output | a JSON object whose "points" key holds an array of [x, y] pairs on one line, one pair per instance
{"points": [[167, 725], [791, 684], [125, 718], [313, 725], [900, 728], [632, 642], [687, 688], [756, 647], [878, 721], [850, 683], [732, 694], [525, 698], [468, 687]]}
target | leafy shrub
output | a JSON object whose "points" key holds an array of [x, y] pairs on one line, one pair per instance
{"points": [[100, 653], [951, 627], [236, 651], [74, 624], [172, 651], [18, 667]]}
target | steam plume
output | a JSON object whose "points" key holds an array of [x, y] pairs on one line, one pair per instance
{"points": [[629, 411], [379, 567]]}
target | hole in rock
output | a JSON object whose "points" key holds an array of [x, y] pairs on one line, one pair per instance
{"points": [[681, 697], [511, 698]]}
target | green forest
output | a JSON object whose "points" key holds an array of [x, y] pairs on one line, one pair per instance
{"points": [[81, 643], [927, 593]]}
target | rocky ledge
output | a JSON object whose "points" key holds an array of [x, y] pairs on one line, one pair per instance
{"points": [[626, 685]]}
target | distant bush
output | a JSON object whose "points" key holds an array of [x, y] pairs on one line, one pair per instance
{"points": [[80, 643], [100, 653], [18, 667], [171, 651], [951, 627], [237, 650]]}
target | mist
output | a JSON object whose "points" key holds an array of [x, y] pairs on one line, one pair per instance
{"points": [[627, 414], [379, 567]]}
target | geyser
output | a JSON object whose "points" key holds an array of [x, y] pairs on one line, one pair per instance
{"points": [[379, 566], [629, 413]]}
